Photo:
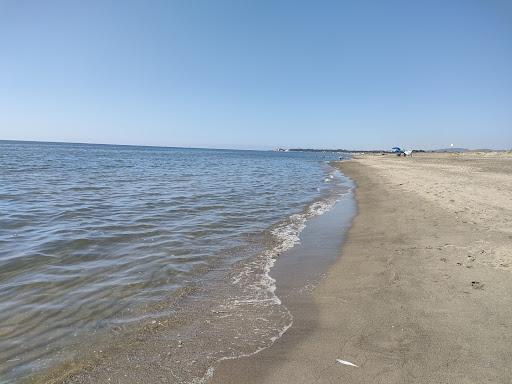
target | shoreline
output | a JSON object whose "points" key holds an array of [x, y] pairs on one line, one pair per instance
{"points": [[173, 349], [421, 291]]}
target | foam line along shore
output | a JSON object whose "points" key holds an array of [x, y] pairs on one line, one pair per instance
{"points": [[104, 247], [424, 271]]}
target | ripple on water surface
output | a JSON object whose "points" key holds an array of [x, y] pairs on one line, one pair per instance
{"points": [[92, 236]]}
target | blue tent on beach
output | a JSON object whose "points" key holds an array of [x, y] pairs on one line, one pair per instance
{"points": [[399, 151]]}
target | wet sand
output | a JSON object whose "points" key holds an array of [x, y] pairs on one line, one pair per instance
{"points": [[216, 321], [422, 290]]}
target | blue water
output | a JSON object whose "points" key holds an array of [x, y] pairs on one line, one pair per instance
{"points": [[92, 235]]}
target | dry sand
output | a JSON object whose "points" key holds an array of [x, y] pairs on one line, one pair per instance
{"points": [[422, 292]]}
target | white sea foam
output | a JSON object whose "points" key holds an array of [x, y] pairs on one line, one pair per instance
{"points": [[287, 235], [211, 370], [254, 282]]}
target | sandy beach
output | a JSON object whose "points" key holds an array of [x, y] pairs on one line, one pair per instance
{"points": [[422, 290], [241, 192]]}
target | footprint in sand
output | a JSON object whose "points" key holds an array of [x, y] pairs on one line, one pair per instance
{"points": [[477, 285]]}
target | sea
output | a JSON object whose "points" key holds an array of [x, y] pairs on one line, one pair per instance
{"points": [[101, 245]]}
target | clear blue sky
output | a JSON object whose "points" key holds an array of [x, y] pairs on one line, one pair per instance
{"points": [[258, 74]]}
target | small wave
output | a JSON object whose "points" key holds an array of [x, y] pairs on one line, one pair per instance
{"points": [[143, 223], [254, 282]]}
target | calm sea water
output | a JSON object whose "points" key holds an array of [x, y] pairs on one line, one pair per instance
{"points": [[92, 236]]}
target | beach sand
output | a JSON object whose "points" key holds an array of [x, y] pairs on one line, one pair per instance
{"points": [[422, 290]]}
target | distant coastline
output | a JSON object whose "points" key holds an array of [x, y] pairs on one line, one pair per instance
{"points": [[384, 151]]}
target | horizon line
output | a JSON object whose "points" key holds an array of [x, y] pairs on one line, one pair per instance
{"points": [[238, 149]]}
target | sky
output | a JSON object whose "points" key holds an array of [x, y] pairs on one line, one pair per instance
{"points": [[258, 74]]}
